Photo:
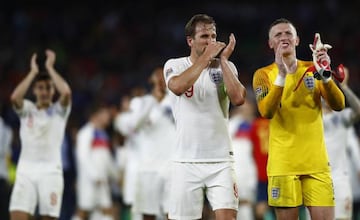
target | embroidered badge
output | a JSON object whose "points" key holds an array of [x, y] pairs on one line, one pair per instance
{"points": [[275, 192], [216, 76], [309, 81]]}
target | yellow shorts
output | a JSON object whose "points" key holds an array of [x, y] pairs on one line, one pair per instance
{"points": [[295, 190]]}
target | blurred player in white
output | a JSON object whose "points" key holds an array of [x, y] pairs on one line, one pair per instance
{"points": [[336, 125], [354, 164], [152, 119], [6, 136], [39, 177], [95, 165], [240, 125], [203, 87], [125, 124]]}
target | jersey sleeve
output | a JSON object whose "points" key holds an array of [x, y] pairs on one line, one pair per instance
{"points": [[354, 147], [27, 106], [333, 95], [171, 70], [346, 117], [140, 108], [63, 111], [268, 96]]}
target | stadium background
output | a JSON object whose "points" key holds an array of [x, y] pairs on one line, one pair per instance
{"points": [[104, 49]]}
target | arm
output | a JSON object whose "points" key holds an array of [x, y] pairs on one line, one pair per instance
{"points": [[17, 97], [60, 84], [268, 96], [180, 83], [234, 89], [351, 98], [333, 95], [353, 146], [140, 109]]}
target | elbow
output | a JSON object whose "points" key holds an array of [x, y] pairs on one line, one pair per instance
{"points": [[239, 98], [267, 115], [339, 107], [67, 94], [176, 88], [14, 100]]}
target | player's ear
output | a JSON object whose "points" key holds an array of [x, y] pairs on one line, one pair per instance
{"points": [[189, 40], [271, 44], [297, 41]]}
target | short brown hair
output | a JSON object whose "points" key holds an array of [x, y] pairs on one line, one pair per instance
{"points": [[199, 18], [280, 21]]}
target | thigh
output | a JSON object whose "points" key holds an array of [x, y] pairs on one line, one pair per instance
{"points": [[343, 198], [103, 195], [318, 189], [148, 194], [186, 191], [50, 189], [23, 196], [85, 192], [221, 186], [284, 191]]}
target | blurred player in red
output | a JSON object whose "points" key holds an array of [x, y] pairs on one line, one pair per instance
{"points": [[260, 138], [39, 177]]}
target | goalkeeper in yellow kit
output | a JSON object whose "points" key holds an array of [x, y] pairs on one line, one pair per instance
{"points": [[289, 92]]}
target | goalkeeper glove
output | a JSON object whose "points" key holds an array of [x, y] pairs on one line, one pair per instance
{"points": [[322, 66]]}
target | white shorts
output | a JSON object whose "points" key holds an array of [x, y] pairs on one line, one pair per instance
{"points": [[343, 197], [91, 195], [149, 193], [46, 190], [189, 183]]}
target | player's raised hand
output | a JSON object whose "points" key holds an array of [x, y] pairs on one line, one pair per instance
{"points": [[346, 77], [34, 68], [226, 53], [50, 58], [279, 60], [214, 48]]}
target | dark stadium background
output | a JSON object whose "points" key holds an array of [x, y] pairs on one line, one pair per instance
{"points": [[105, 48]]}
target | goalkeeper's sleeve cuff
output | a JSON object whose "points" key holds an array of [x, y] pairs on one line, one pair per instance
{"points": [[279, 81]]}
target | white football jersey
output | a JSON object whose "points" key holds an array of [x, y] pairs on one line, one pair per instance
{"points": [[158, 136], [336, 126], [41, 133], [93, 154], [201, 115], [6, 136]]}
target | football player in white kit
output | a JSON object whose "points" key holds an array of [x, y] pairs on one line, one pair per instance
{"points": [[151, 118], [203, 87], [240, 129], [336, 126], [95, 166], [39, 177], [6, 137]]}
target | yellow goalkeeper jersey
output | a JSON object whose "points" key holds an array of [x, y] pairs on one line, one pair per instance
{"points": [[296, 141]]}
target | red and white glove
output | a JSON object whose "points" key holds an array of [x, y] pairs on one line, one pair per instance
{"points": [[322, 66]]}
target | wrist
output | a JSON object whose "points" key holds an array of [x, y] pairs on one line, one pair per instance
{"points": [[325, 79], [49, 68], [280, 80], [33, 72]]}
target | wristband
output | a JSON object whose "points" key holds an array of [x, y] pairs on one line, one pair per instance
{"points": [[279, 81]]}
